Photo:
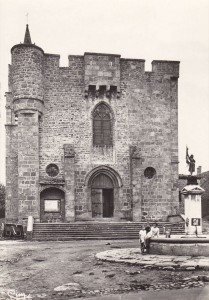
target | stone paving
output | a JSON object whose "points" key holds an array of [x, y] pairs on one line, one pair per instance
{"points": [[166, 262], [27, 265]]}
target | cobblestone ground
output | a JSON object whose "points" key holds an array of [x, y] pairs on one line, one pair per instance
{"points": [[68, 270]]}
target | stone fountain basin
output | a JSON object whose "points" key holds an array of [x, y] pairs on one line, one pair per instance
{"points": [[181, 245]]}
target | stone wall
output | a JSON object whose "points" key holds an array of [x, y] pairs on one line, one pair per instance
{"points": [[142, 109], [102, 70], [61, 102], [11, 210], [204, 183], [27, 72], [148, 96], [28, 165]]}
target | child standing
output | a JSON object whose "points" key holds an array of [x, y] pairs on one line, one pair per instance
{"points": [[142, 235]]}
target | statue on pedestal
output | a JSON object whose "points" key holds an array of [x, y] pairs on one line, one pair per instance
{"points": [[190, 161]]}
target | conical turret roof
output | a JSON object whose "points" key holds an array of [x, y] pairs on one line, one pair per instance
{"points": [[27, 39]]}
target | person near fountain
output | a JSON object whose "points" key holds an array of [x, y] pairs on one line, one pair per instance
{"points": [[155, 231], [147, 240], [147, 227], [142, 235]]}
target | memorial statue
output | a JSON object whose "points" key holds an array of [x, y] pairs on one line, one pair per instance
{"points": [[190, 161]]}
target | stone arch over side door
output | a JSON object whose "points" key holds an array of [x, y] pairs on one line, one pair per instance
{"points": [[103, 183]]}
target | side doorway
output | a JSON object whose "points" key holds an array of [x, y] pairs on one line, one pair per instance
{"points": [[52, 205]]}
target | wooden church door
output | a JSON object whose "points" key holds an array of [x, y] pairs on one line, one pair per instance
{"points": [[102, 197]]}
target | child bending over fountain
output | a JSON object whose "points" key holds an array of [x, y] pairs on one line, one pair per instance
{"points": [[155, 231]]}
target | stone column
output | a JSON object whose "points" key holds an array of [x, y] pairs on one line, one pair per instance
{"points": [[193, 207], [135, 156], [69, 167]]}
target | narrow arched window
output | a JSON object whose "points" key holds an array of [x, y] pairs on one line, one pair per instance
{"points": [[102, 126]]}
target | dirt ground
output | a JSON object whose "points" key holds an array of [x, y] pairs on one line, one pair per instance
{"points": [[36, 268]]}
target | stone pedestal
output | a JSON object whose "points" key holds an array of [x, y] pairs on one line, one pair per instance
{"points": [[29, 233], [30, 223], [193, 207]]}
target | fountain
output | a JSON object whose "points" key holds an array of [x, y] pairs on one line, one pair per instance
{"points": [[193, 243]]}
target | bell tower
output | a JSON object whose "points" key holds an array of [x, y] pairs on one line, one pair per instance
{"points": [[25, 106]]}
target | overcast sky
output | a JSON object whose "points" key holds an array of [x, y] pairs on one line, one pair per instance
{"points": [[147, 29]]}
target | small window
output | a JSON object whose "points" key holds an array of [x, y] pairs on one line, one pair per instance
{"points": [[52, 170], [102, 126], [52, 205], [149, 172], [102, 91], [113, 91], [92, 91], [78, 207]]}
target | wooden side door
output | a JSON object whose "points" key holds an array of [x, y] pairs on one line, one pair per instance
{"points": [[96, 198]]}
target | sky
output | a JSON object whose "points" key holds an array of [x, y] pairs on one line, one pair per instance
{"points": [[145, 29]]}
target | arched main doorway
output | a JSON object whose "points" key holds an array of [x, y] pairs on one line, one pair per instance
{"points": [[102, 196]]}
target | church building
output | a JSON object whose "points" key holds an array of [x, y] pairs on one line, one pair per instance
{"points": [[94, 141]]}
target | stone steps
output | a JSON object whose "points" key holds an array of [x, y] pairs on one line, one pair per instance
{"points": [[87, 230]]}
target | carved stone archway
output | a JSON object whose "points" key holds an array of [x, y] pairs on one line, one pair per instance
{"points": [[103, 184], [115, 177]]}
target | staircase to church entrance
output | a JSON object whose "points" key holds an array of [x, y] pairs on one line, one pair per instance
{"points": [[95, 230]]}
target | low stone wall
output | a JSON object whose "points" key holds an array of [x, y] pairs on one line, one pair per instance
{"points": [[181, 246]]}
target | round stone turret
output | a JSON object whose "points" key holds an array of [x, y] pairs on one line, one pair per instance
{"points": [[27, 75]]}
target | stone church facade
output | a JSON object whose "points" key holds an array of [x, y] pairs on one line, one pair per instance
{"points": [[97, 140]]}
